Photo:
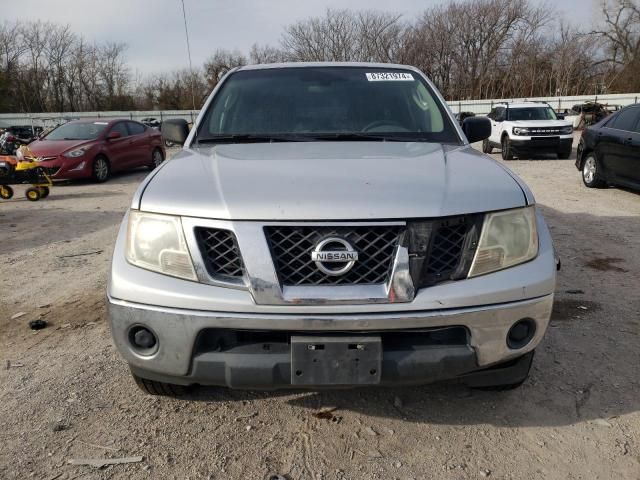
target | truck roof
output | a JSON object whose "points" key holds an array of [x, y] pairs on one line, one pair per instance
{"points": [[266, 66], [521, 104]]}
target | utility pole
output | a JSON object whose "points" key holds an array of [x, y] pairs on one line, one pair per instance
{"points": [[186, 33]]}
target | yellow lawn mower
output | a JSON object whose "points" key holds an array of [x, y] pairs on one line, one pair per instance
{"points": [[21, 169]]}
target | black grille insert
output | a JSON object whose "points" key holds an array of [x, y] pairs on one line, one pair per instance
{"points": [[443, 249], [291, 248], [219, 249]]}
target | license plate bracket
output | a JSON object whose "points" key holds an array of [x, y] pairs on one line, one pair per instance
{"points": [[339, 360]]}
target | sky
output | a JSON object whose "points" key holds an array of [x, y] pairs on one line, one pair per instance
{"points": [[154, 29]]}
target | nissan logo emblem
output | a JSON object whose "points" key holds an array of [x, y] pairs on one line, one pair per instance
{"points": [[334, 250]]}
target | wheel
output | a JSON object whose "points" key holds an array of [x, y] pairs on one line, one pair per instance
{"points": [[564, 154], [6, 192], [101, 169], [507, 153], [32, 194], [153, 387], [486, 146], [502, 377], [156, 159], [167, 143], [591, 172], [44, 192]]}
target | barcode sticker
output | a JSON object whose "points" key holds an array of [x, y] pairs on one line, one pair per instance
{"points": [[389, 77]]}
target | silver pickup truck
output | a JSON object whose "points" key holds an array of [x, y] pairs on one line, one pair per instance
{"points": [[329, 225]]}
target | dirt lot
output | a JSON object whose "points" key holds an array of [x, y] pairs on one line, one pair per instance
{"points": [[65, 394]]}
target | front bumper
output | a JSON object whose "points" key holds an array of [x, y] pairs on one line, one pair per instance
{"points": [[184, 356], [542, 144], [68, 169]]}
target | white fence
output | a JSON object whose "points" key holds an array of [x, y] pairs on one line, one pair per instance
{"points": [[559, 103], [477, 106], [50, 119]]}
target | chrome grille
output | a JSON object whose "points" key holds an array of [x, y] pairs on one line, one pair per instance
{"points": [[220, 252], [291, 248]]}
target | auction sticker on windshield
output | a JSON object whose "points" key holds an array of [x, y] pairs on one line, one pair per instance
{"points": [[389, 76]]}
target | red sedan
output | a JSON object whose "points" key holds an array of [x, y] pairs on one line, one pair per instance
{"points": [[96, 148]]}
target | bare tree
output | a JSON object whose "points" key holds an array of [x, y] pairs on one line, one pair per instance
{"points": [[343, 35], [266, 54], [469, 48], [220, 63], [620, 35]]}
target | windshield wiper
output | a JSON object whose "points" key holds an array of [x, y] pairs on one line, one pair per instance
{"points": [[252, 138], [370, 137], [313, 137]]}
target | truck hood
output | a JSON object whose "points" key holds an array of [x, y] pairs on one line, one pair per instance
{"points": [[329, 181]]}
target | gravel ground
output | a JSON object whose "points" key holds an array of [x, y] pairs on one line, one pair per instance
{"points": [[65, 394]]}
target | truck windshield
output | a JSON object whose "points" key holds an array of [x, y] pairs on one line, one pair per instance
{"points": [[326, 103], [532, 113]]}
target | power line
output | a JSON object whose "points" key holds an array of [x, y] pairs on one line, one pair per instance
{"points": [[186, 33]]}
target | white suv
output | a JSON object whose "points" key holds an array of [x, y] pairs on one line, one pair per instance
{"points": [[521, 129]]}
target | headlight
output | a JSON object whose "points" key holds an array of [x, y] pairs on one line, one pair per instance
{"points": [[508, 238], [520, 131], [156, 242], [568, 130], [78, 152]]}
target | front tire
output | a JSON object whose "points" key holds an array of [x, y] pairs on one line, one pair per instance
{"points": [[32, 194], [486, 146], [153, 387], [503, 377], [6, 192], [101, 169], [591, 172], [507, 153], [564, 154], [156, 159]]}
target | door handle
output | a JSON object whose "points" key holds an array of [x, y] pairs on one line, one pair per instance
{"points": [[628, 141]]}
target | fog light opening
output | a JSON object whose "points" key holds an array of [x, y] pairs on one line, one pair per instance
{"points": [[521, 333], [143, 340]]}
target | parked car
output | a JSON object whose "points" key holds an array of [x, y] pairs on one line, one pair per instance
{"points": [[96, 148], [25, 132], [13, 137], [528, 128], [460, 117], [329, 225], [609, 151], [151, 122]]}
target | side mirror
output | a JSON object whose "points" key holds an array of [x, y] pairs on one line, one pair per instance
{"points": [[560, 116], [175, 130], [113, 135], [476, 128]]}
